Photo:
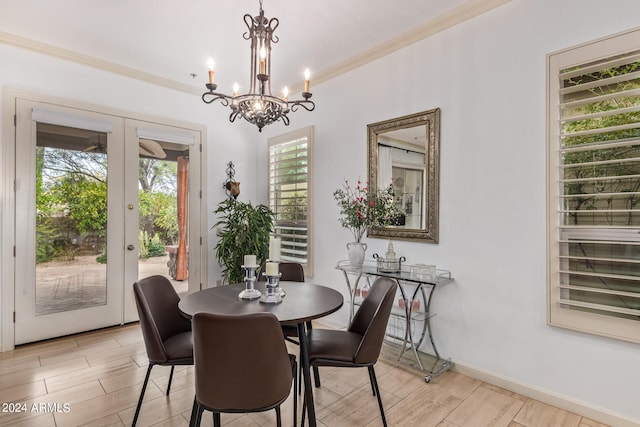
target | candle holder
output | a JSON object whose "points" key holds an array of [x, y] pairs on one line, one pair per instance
{"points": [[250, 292], [273, 295], [277, 261]]}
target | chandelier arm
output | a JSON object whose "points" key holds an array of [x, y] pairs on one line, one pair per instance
{"points": [[273, 24], [306, 104], [224, 99], [233, 115], [248, 21]]}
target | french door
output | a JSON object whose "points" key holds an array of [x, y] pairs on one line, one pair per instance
{"points": [[97, 202]]}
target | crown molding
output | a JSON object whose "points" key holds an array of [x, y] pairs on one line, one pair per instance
{"points": [[429, 28], [441, 23], [79, 58]]}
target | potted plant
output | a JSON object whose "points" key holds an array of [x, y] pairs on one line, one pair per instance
{"points": [[243, 229], [362, 208]]}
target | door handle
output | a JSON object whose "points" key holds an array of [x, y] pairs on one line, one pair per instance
{"points": [[130, 247]]}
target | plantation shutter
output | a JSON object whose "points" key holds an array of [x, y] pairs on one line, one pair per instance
{"points": [[595, 275], [289, 195]]}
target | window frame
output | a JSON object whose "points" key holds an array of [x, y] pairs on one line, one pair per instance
{"points": [[557, 315], [281, 140]]}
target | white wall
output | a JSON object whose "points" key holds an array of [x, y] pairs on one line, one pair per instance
{"points": [[488, 77]]}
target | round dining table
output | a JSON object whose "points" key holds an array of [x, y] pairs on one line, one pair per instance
{"points": [[302, 303]]}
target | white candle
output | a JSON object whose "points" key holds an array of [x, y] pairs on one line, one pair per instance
{"points": [[250, 261], [274, 248], [210, 64], [307, 75], [263, 56], [272, 269]]}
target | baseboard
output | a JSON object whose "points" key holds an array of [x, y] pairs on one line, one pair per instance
{"points": [[595, 413]]}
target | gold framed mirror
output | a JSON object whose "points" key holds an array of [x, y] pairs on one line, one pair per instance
{"points": [[405, 152]]}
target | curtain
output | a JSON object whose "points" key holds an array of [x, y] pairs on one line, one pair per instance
{"points": [[183, 179], [384, 167]]}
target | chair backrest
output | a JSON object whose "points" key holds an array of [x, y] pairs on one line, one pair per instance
{"points": [[157, 303], [291, 272], [371, 319], [241, 362]]}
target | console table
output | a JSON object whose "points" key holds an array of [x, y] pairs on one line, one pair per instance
{"points": [[409, 323]]}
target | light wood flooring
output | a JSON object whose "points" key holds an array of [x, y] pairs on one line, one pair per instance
{"points": [[95, 379]]}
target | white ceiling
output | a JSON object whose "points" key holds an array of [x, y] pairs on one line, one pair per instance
{"points": [[172, 38]]}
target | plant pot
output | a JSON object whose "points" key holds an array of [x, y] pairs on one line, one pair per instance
{"points": [[356, 252]]}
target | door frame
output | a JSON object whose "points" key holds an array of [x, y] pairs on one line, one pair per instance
{"points": [[198, 262], [168, 133], [29, 326]]}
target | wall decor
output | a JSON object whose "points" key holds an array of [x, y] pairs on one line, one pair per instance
{"points": [[405, 152], [231, 187]]}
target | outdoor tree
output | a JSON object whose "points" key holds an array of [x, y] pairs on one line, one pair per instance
{"points": [[622, 193], [71, 197]]}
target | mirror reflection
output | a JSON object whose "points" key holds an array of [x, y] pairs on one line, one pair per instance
{"points": [[404, 152]]}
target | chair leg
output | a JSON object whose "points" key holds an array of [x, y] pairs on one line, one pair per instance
{"points": [[316, 376], [278, 416], [170, 378], [216, 419], [144, 388], [304, 407], [374, 383], [373, 390], [196, 414], [295, 393], [316, 372]]}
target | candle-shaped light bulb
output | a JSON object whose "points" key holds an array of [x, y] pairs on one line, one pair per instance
{"points": [[236, 88], [285, 93], [263, 57], [210, 65], [307, 75]]}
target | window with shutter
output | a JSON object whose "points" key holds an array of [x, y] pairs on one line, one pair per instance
{"points": [[594, 187], [290, 193]]}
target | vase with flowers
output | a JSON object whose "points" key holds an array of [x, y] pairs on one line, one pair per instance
{"points": [[361, 208]]}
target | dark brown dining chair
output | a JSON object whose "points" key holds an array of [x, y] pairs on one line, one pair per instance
{"points": [[166, 333], [360, 345], [250, 372], [291, 272]]}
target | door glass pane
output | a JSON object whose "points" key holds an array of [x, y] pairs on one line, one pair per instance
{"points": [[71, 219], [163, 184]]}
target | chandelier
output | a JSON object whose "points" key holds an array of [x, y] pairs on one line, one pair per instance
{"points": [[259, 106]]}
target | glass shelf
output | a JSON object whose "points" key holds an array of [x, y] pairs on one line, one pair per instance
{"points": [[407, 328], [369, 267]]}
